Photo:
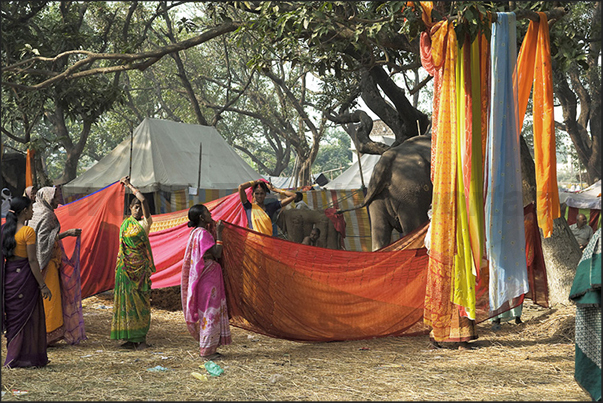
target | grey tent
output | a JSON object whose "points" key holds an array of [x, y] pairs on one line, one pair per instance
{"points": [[165, 156]]}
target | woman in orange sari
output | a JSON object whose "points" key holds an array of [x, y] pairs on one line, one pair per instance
{"points": [[64, 317], [259, 213]]}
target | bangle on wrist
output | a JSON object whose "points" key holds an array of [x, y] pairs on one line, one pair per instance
{"points": [[42, 287], [218, 242]]}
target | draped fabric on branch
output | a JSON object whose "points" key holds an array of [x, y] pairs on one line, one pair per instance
{"points": [[534, 65], [505, 236], [477, 234], [441, 59], [539, 291], [469, 203]]}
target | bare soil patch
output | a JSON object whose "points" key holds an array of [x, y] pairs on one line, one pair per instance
{"points": [[532, 361]]}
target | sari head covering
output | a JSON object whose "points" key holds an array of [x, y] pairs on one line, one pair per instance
{"points": [[27, 192], [46, 224]]}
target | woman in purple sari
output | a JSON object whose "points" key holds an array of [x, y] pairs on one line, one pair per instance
{"points": [[23, 288], [202, 285]]}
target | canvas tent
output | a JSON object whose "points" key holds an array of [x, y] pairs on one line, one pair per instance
{"points": [[350, 178], [165, 156], [165, 162], [288, 182]]}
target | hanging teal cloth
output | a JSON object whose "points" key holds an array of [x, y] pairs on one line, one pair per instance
{"points": [[505, 236]]}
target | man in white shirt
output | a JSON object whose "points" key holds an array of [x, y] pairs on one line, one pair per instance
{"points": [[300, 204], [581, 230]]}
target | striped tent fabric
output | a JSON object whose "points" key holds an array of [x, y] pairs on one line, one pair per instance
{"points": [[182, 199], [358, 229]]}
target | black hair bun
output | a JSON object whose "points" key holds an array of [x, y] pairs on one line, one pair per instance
{"points": [[191, 224]]}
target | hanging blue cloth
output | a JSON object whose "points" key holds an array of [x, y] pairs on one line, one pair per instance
{"points": [[505, 236]]}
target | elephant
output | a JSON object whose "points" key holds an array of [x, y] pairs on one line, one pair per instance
{"points": [[400, 190], [13, 172], [297, 223]]}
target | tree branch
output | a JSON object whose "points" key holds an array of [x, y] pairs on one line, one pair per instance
{"points": [[151, 58]]}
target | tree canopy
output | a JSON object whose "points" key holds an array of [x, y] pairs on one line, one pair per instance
{"points": [[273, 77]]}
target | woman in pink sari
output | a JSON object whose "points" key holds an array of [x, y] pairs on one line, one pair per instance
{"points": [[202, 285]]}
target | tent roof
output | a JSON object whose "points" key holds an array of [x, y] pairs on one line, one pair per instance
{"points": [[288, 182], [350, 178], [589, 198], [165, 156]]}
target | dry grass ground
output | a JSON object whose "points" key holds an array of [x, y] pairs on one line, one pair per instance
{"points": [[533, 361]]}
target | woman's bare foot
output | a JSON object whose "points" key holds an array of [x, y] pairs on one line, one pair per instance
{"points": [[434, 344], [142, 345], [464, 345], [214, 356]]}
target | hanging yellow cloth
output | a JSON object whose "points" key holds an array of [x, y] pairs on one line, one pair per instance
{"points": [[534, 65], [260, 220], [438, 292], [464, 266]]}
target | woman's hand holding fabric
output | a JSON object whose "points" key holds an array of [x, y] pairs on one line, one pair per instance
{"points": [[46, 292], [219, 227]]}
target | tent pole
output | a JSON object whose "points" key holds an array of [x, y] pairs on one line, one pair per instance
{"points": [[360, 168], [129, 169], [200, 155], [359, 164], [131, 146]]}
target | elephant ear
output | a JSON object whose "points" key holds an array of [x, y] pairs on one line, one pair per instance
{"points": [[381, 176]]}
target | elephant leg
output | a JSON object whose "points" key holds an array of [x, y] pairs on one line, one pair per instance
{"points": [[381, 224], [412, 218]]}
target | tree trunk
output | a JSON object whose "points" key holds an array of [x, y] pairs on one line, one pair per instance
{"points": [[561, 250], [561, 255]]}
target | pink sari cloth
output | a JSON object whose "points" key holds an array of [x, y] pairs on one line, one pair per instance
{"points": [[203, 294]]}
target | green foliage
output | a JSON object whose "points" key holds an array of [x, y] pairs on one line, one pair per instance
{"points": [[569, 37], [335, 41], [334, 152]]}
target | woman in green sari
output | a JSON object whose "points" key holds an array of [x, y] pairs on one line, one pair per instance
{"points": [[132, 298]]}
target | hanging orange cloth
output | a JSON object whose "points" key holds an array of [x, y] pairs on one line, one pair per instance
{"points": [[29, 167], [438, 292], [534, 65], [427, 7]]}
